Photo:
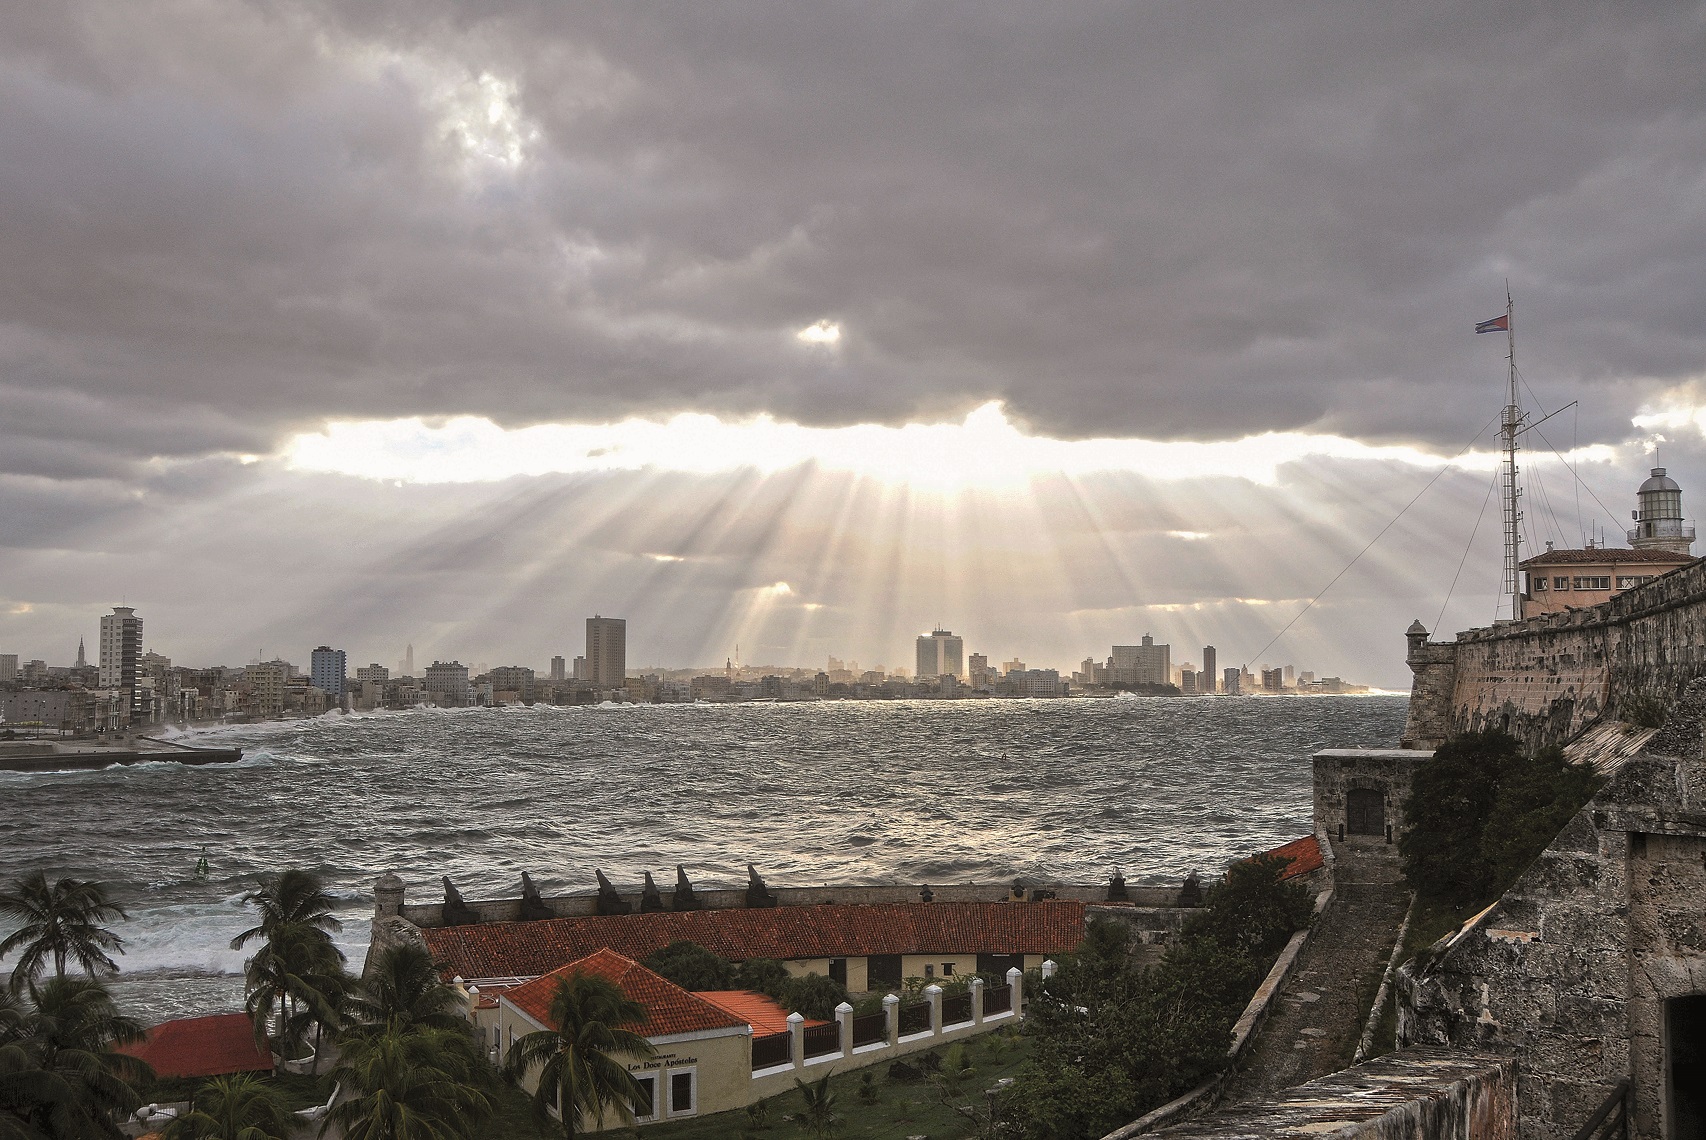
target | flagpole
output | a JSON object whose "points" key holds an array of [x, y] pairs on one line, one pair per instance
{"points": [[1513, 514]]}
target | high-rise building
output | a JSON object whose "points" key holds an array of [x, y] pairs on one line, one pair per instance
{"points": [[977, 666], [327, 671], [1229, 680], [1145, 664], [1272, 680], [1188, 680], [607, 651], [121, 649], [265, 685], [376, 673], [1291, 676], [1206, 679], [447, 683], [559, 668], [409, 660], [941, 654], [82, 658], [581, 672], [8, 667]]}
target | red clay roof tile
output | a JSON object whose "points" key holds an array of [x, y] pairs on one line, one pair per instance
{"points": [[202, 1047], [833, 930], [669, 1008], [1304, 855]]}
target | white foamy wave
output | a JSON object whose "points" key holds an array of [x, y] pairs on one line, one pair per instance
{"points": [[195, 938]]}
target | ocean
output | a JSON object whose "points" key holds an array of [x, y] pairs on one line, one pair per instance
{"points": [[914, 792]]}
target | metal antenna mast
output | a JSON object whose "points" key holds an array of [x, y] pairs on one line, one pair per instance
{"points": [[1512, 423]]}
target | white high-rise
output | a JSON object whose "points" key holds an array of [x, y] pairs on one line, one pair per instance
{"points": [[941, 654], [121, 648]]}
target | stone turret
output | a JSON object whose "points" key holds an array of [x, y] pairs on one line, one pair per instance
{"points": [[388, 892], [1434, 665]]}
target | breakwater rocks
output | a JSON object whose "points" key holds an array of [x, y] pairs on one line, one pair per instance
{"points": [[53, 756]]}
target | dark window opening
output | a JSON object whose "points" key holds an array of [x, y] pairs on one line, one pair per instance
{"points": [[838, 971], [997, 965], [882, 970], [646, 1105], [1685, 1029], [681, 1092]]}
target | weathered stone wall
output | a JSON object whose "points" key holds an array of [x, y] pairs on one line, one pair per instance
{"points": [[1572, 967], [1340, 770], [1547, 678], [576, 906], [1422, 1094]]}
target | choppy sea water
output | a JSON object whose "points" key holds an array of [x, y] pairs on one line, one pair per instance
{"points": [[910, 792]]}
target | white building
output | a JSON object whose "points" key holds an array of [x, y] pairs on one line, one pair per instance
{"points": [[941, 654], [447, 683], [121, 648], [327, 671]]}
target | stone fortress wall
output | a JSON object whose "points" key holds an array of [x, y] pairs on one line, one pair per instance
{"points": [[1547, 679]]}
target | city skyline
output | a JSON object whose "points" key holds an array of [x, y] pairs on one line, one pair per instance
{"points": [[804, 331]]}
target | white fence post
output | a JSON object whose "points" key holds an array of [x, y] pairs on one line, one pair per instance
{"points": [[1016, 989], [891, 1010], [797, 1039], [1049, 968], [976, 991], [844, 1018], [933, 994]]}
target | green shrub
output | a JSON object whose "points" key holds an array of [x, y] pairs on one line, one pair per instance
{"points": [[692, 967], [814, 996]]}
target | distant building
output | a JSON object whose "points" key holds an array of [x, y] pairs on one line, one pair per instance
{"points": [[8, 668], [265, 685], [581, 673], [1187, 680], [327, 671], [1273, 680], [121, 648], [941, 654], [517, 679], [1205, 681], [607, 651], [559, 668], [377, 674], [1229, 680], [1145, 664], [978, 670], [447, 683]]}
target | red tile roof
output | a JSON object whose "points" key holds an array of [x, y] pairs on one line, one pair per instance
{"points": [[832, 930], [1304, 855], [202, 1047], [669, 1008], [761, 1011], [1605, 555]]}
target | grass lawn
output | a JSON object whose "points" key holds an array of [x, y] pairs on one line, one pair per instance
{"points": [[890, 1110]]}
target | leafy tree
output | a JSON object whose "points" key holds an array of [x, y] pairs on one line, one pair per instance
{"points": [[814, 996], [1252, 910], [406, 1083], [402, 985], [1451, 797], [59, 921], [59, 1075], [818, 1117], [237, 1107], [579, 1072], [1535, 799], [765, 975], [692, 967]]}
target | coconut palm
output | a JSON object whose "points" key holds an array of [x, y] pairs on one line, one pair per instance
{"points": [[295, 982], [407, 1083], [403, 984], [59, 1075], [819, 1118], [579, 1071], [294, 898], [59, 921], [239, 1107]]}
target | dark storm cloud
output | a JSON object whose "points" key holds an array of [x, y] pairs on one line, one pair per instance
{"points": [[224, 222]]}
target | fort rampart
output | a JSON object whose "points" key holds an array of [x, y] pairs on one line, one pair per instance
{"points": [[1546, 679]]}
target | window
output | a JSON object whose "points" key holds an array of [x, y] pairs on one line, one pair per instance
{"points": [[1539, 582], [1593, 582], [929, 969], [1560, 583], [947, 969], [646, 1107], [681, 1093]]}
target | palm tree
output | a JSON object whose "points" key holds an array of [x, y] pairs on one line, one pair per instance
{"points": [[295, 981], [818, 1118], [239, 1107], [295, 898], [59, 1075], [579, 1073], [406, 1083], [402, 984], [60, 921]]}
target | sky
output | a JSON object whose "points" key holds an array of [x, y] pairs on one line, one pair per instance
{"points": [[806, 328]]}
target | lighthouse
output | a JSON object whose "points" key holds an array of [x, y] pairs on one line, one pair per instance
{"points": [[1658, 518]]}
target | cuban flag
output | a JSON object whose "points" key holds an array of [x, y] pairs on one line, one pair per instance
{"points": [[1497, 324]]}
